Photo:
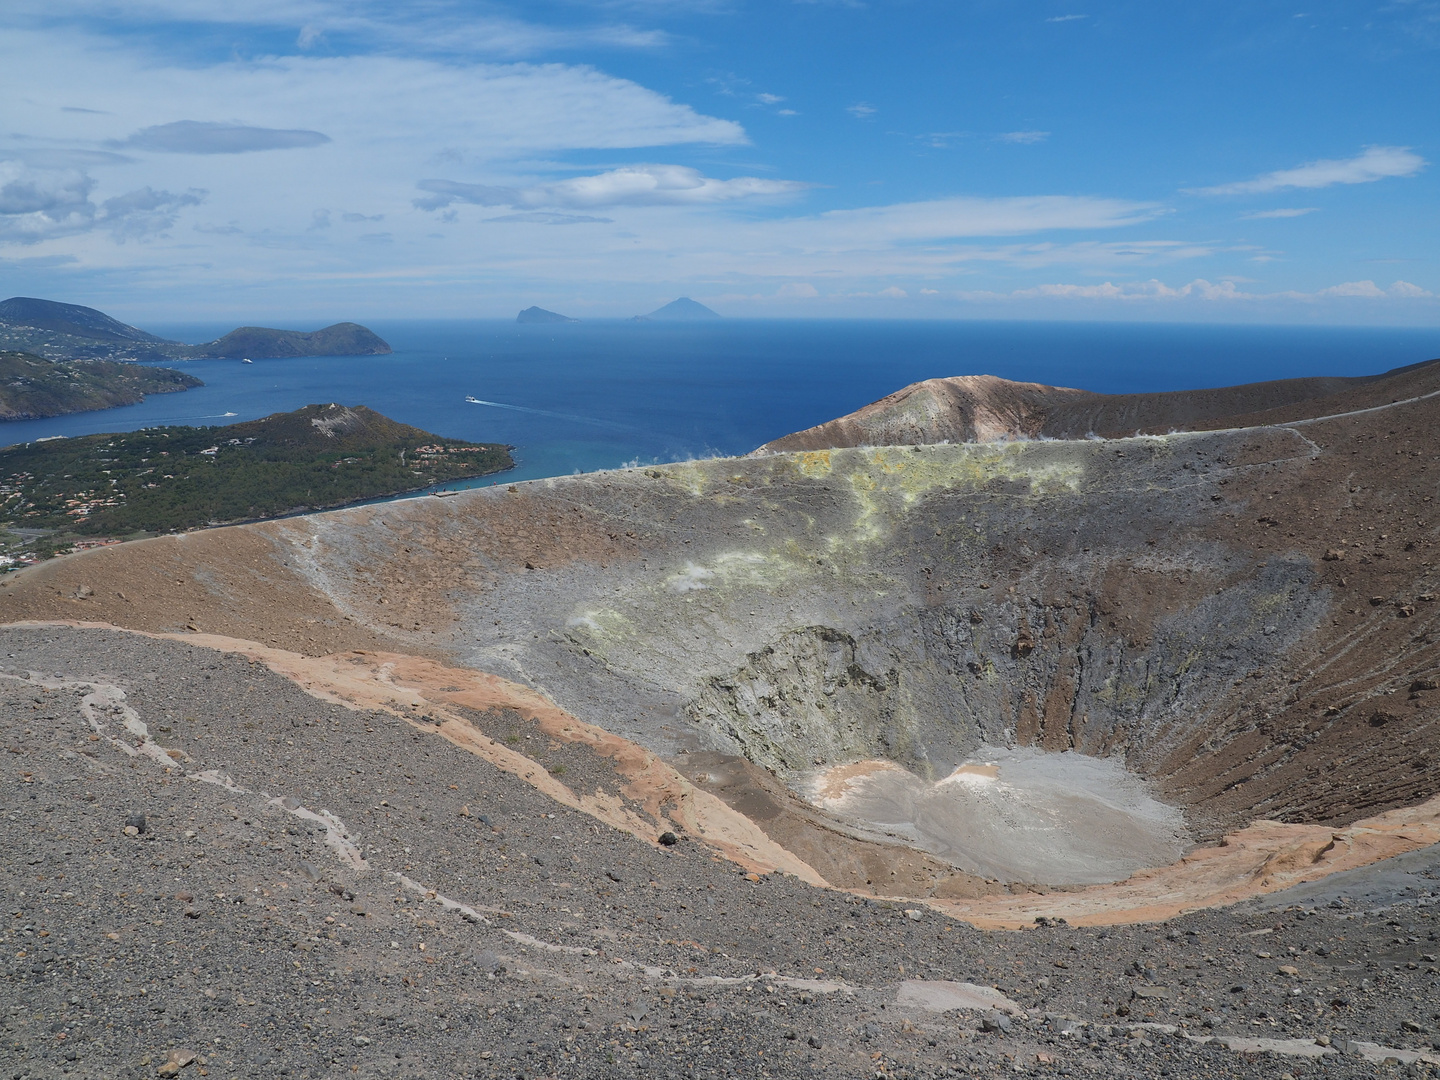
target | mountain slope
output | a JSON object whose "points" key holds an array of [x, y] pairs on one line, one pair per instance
{"points": [[59, 331], [32, 387], [984, 408], [540, 315], [72, 319], [683, 309], [166, 479], [259, 342]]}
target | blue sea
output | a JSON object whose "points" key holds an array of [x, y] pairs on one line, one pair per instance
{"points": [[601, 394]]}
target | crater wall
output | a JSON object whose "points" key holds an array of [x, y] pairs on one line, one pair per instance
{"points": [[1243, 617]]}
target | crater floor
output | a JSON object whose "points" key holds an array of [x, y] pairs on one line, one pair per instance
{"points": [[1014, 815]]}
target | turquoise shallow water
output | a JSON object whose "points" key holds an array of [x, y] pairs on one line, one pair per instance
{"points": [[595, 395]]}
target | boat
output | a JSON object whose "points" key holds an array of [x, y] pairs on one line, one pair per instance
{"points": [[247, 360], [473, 400], [444, 494]]}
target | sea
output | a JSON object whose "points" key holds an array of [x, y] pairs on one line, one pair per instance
{"points": [[602, 394]]}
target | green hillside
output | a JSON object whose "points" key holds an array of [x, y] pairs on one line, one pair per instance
{"points": [[32, 387], [59, 331], [169, 479]]}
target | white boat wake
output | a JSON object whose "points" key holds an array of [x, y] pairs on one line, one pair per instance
{"points": [[547, 412]]}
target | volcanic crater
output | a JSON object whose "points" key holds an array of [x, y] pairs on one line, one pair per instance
{"points": [[961, 647]]}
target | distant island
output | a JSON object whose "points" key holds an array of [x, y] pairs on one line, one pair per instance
{"points": [[64, 492], [57, 331], [33, 388], [540, 315], [683, 309], [261, 343]]}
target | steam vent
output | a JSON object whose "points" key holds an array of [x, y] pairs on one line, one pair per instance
{"points": [[997, 651]]}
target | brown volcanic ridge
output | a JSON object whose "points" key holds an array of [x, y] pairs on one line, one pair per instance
{"points": [[1002, 649]]}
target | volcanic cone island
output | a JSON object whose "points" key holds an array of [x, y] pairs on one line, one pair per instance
{"points": [[995, 727]]}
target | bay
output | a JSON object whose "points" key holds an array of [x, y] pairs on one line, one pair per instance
{"points": [[606, 393]]}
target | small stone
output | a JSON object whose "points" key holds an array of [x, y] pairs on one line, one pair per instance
{"points": [[814, 1041], [309, 871], [613, 876], [669, 839], [181, 1057], [362, 1040], [168, 1069], [1290, 970], [131, 830], [1334, 555], [1151, 993], [912, 914], [136, 822]]}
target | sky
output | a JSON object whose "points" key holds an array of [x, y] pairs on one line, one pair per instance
{"points": [[313, 160]]}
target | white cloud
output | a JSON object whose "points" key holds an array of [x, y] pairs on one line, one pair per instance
{"points": [[1283, 212], [543, 217], [39, 157], [635, 185], [41, 205], [1375, 163], [1065, 18], [769, 99], [212, 137], [861, 111], [894, 292], [1406, 290], [1024, 138], [403, 108], [798, 290], [940, 219], [370, 123], [1202, 290], [438, 27], [1353, 288], [144, 212]]}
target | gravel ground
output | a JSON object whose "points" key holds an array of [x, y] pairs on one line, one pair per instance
{"points": [[321, 892]]}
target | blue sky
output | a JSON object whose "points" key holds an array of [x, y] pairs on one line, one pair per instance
{"points": [[323, 159]]}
